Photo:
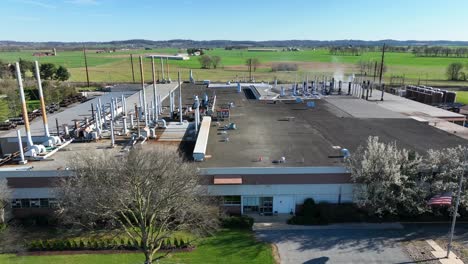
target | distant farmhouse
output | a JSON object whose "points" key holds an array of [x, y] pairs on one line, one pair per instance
{"points": [[262, 50], [46, 53]]}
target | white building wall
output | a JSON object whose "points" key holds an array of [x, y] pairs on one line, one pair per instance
{"points": [[319, 192], [24, 193]]}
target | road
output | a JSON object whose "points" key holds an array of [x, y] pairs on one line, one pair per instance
{"points": [[352, 245]]}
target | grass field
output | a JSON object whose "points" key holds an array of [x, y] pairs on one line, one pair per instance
{"points": [[225, 247], [462, 97], [116, 67]]}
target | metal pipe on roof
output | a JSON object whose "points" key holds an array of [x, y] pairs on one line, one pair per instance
{"points": [[41, 99], [132, 122], [167, 66], [144, 92], [155, 92], [112, 126], [162, 69], [140, 94], [23, 106], [20, 144], [180, 96], [124, 110], [125, 129], [171, 103], [159, 104], [191, 77]]}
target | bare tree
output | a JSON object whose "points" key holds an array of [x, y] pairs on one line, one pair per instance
{"points": [[5, 196], [387, 178], [148, 194], [215, 61]]}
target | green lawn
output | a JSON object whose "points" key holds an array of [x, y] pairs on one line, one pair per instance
{"points": [[228, 246], [116, 67], [462, 97]]}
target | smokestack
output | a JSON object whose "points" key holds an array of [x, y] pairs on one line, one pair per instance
{"points": [[197, 113], [276, 82], [144, 92], [140, 108], [171, 103], [159, 104], [239, 88], [155, 92], [180, 96], [191, 77], [124, 107], [162, 69], [112, 126], [125, 130], [20, 144], [41, 99], [132, 122], [23, 106], [167, 66]]}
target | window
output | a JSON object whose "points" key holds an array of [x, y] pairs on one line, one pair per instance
{"points": [[44, 203], [251, 204], [16, 203], [25, 203], [232, 200], [34, 203]]}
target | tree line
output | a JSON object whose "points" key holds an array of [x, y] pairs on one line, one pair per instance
{"points": [[437, 51], [47, 71]]}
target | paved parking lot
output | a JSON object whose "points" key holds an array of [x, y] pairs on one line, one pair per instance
{"points": [[337, 246]]}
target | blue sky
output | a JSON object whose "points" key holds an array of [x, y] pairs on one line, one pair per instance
{"points": [[104, 20]]}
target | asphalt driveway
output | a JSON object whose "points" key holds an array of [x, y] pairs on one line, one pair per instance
{"points": [[337, 246]]}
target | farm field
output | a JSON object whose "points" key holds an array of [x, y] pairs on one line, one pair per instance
{"points": [[116, 67], [462, 97], [228, 246]]}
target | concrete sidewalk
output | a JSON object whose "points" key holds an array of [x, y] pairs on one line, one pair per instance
{"points": [[284, 226]]}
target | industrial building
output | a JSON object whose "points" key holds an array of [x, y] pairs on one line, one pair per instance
{"points": [[261, 147]]}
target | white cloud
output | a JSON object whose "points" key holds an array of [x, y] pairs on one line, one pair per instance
{"points": [[37, 3], [83, 2]]}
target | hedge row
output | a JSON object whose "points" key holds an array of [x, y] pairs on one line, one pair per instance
{"points": [[241, 222], [325, 213], [100, 244]]}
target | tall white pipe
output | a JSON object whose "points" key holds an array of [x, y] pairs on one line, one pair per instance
{"points": [[112, 125], [23, 104], [162, 68], [132, 122], [145, 107], [124, 110], [20, 144], [171, 103], [180, 96], [155, 92], [140, 104], [99, 113], [159, 104], [125, 129], [41, 99]]}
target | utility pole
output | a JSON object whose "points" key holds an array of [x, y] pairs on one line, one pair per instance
{"points": [[455, 212], [180, 96], [86, 65], [133, 71], [382, 64], [250, 68], [375, 70]]}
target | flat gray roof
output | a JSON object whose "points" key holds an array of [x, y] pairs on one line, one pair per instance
{"points": [[312, 136]]}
